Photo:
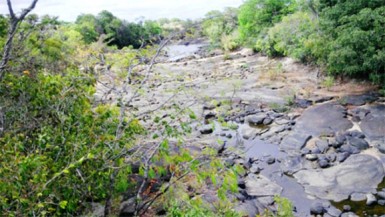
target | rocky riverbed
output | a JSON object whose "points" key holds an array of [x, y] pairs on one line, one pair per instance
{"points": [[321, 147]]}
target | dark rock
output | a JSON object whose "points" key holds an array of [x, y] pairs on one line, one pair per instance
{"points": [[127, 208], [381, 194], [331, 157], [324, 119], [341, 157], [317, 208], [370, 199], [207, 129], [381, 202], [303, 103], [323, 99], [229, 136], [349, 148], [256, 120], [270, 160], [340, 139], [242, 184], [210, 115], [358, 100], [361, 144], [323, 163], [356, 134]]}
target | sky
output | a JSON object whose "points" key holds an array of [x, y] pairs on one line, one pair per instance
{"points": [[130, 10]]}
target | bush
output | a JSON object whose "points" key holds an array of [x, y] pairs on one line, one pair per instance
{"points": [[256, 15], [288, 37], [56, 150]]}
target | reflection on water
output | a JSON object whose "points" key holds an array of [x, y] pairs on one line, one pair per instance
{"points": [[360, 207]]}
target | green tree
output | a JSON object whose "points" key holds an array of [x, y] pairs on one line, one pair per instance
{"points": [[256, 15]]}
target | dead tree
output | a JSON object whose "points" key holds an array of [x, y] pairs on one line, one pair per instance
{"points": [[14, 23]]}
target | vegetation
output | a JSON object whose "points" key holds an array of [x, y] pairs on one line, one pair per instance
{"points": [[63, 148]]}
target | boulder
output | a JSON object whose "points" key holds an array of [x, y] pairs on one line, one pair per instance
{"points": [[359, 173]]}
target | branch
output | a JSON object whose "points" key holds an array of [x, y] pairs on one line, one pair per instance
{"points": [[13, 16], [27, 10]]}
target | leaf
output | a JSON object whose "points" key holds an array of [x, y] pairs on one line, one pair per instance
{"points": [[63, 204]]}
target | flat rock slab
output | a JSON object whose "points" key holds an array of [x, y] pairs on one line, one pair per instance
{"points": [[324, 119], [358, 100], [373, 124], [259, 185], [358, 174]]}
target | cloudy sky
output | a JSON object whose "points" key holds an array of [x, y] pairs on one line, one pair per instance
{"points": [[125, 9]]}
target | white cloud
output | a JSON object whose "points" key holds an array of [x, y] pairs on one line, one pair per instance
{"points": [[125, 9]]}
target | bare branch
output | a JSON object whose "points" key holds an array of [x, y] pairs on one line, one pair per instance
{"points": [[13, 16]]}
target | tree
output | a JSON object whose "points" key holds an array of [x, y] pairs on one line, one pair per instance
{"points": [[255, 15], [13, 25]]}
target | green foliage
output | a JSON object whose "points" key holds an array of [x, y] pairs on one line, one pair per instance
{"points": [[288, 37], [220, 28], [257, 15], [56, 147]]}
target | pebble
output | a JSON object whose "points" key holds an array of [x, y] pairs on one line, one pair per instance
{"points": [[317, 209], [311, 157]]}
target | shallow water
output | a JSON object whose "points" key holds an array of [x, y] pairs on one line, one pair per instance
{"points": [[360, 207], [177, 52]]}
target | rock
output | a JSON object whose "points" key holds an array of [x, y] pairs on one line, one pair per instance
{"points": [[357, 197], [358, 100], [349, 149], [210, 115], [303, 103], [291, 164], [322, 99], [267, 121], [249, 132], [349, 214], [97, 210], [247, 208], [270, 160], [341, 157], [323, 163], [331, 157], [256, 120], [370, 199], [381, 194], [356, 134], [332, 211], [255, 169], [359, 173], [294, 141], [373, 125], [208, 107], [346, 208], [127, 208], [229, 136], [311, 157], [361, 144], [322, 145], [207, 129], [323, 119], [381, 202], [340, 140], [259, 185], [317, 208]]}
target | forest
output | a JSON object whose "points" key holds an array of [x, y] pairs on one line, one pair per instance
{"points": [[67, 149]]}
